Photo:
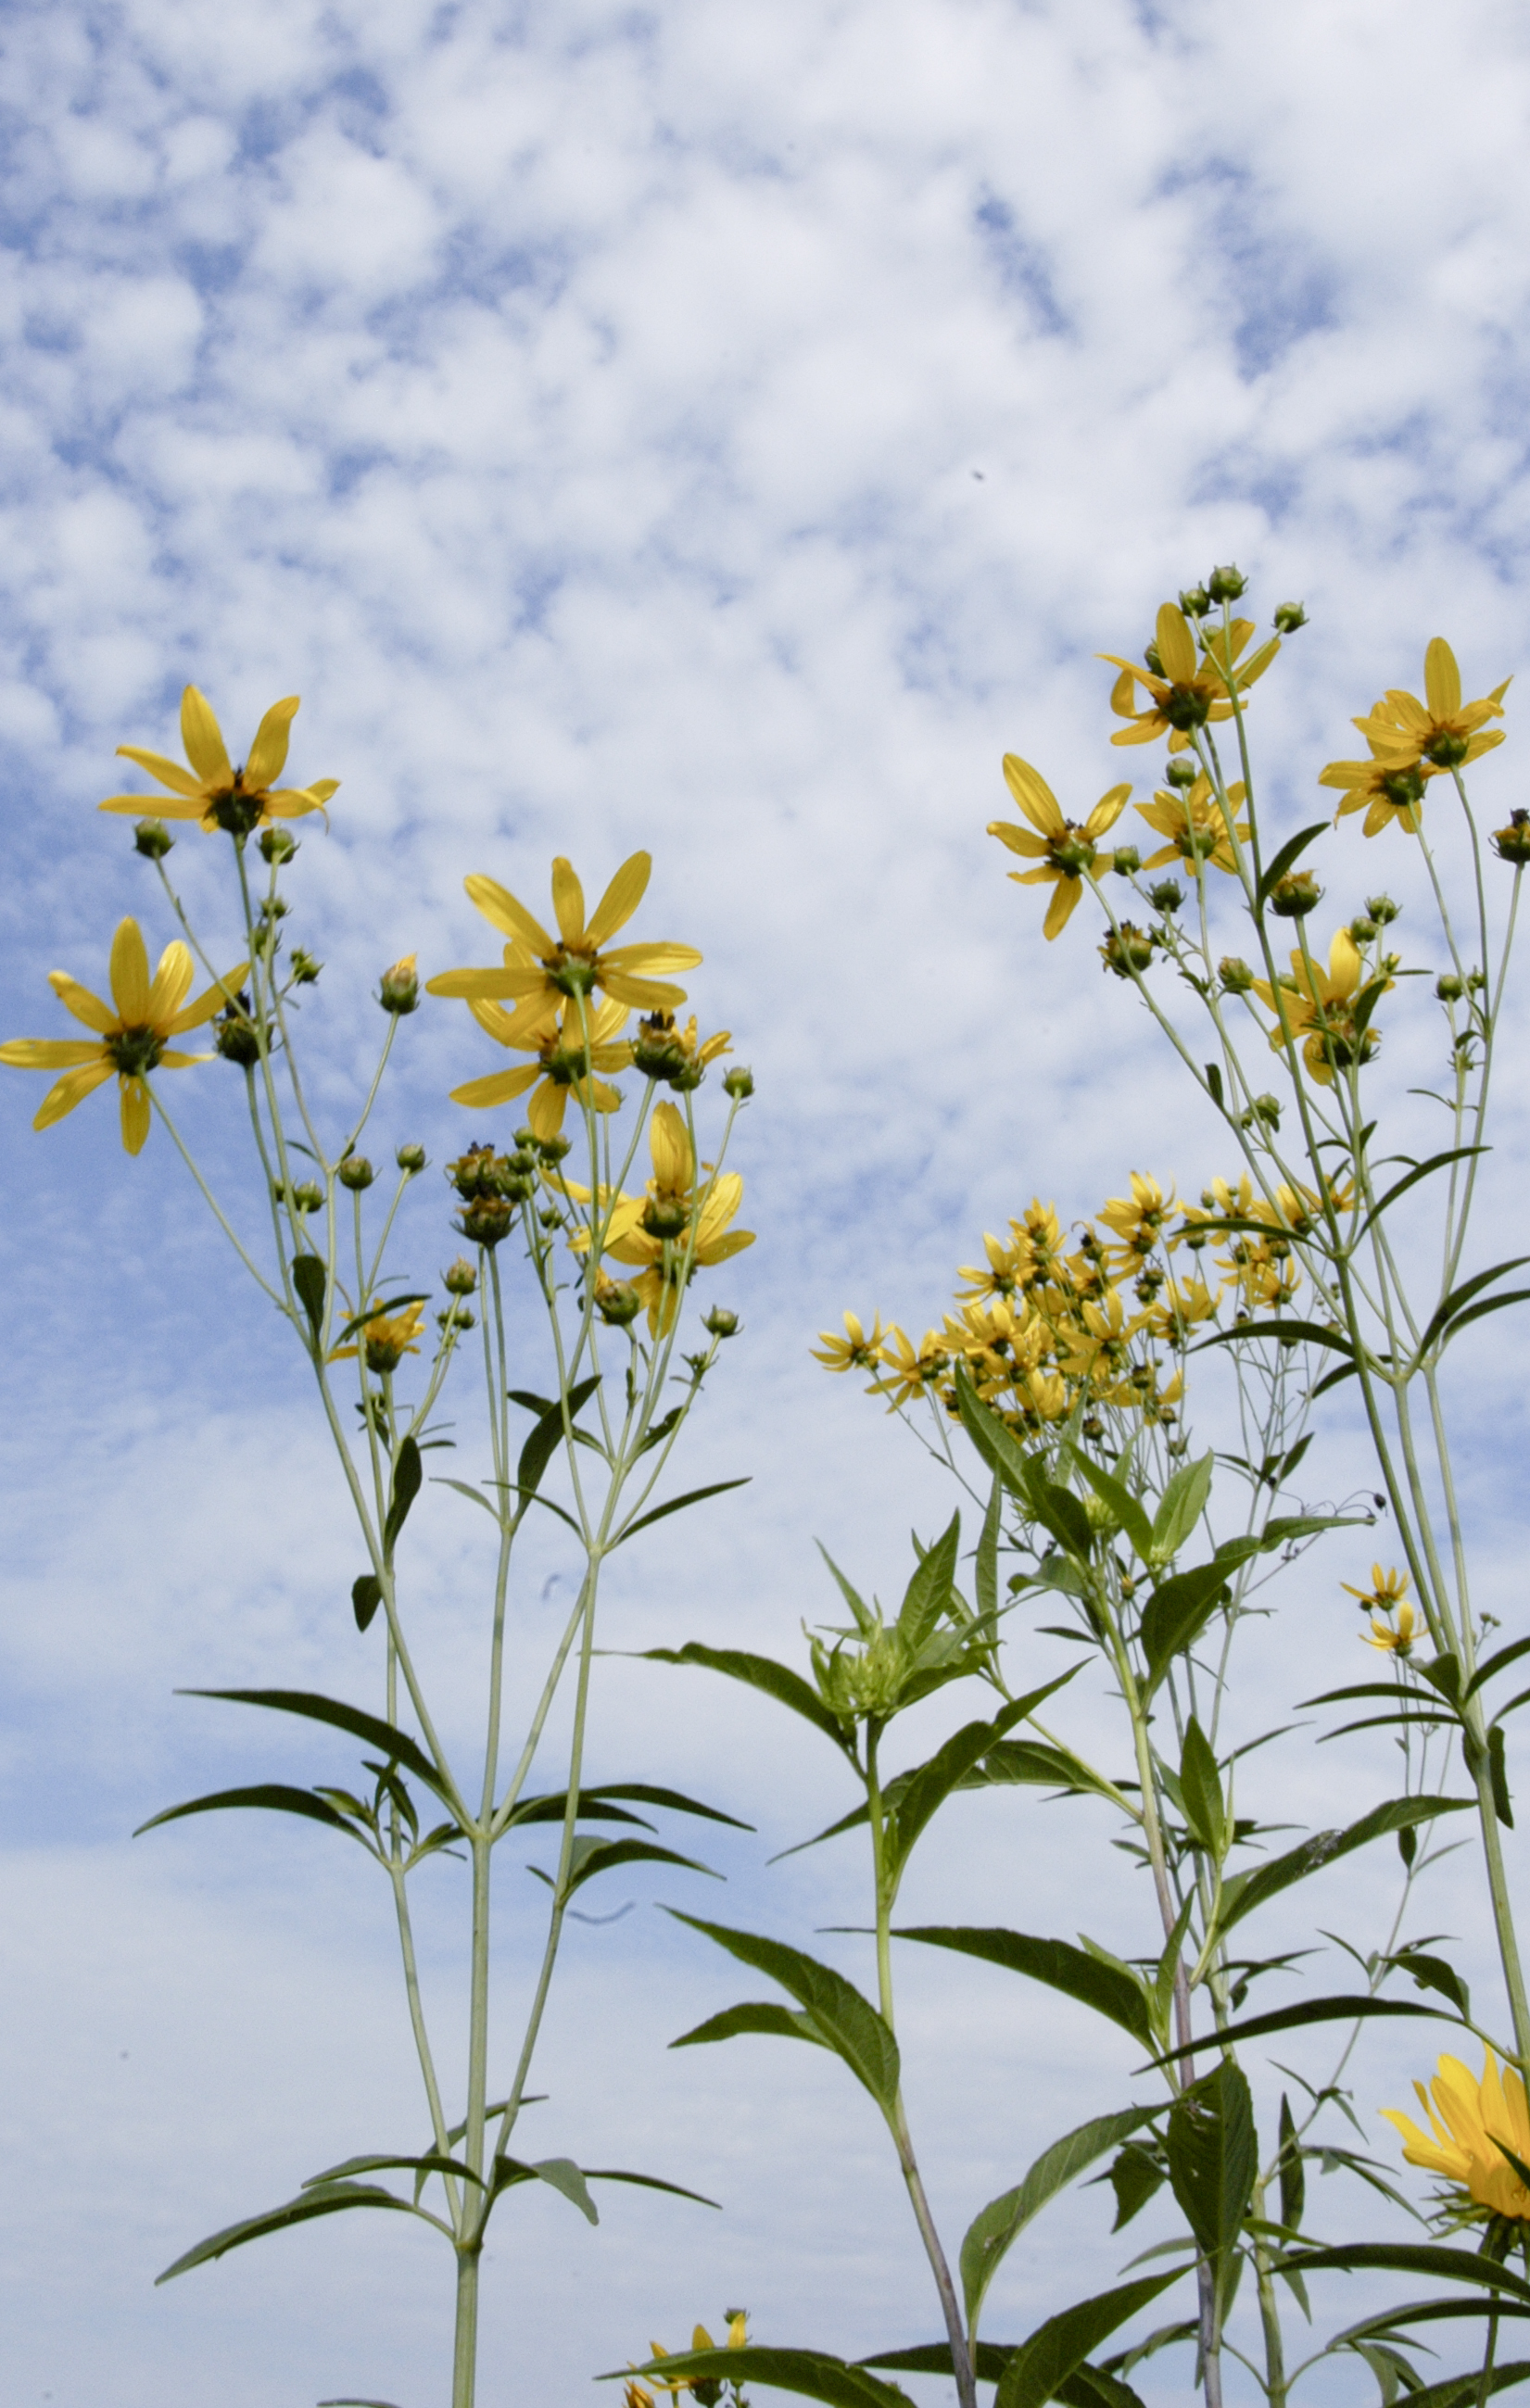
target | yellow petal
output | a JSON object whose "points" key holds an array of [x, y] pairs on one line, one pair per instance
{"points": [[645, 995], [1147, 729], [49, 1052], [544, 1114], [155, 807], [465, 984], [269, 752], [172, 984], [568, 903], [85, 1006], [171, 1061], [604, 1098], [501, 1087], [674, 1163], [169, 773], [620, 900], [136, 1114], [212, 999], [501, 910], [1034, 794], [203, 740], [68, 1090], [713, 1251], [1106, 811], [1441, 680], [130, 976], [294, 802], [1059, 910], [1018, 839], [653, 957], [1175, 645]]}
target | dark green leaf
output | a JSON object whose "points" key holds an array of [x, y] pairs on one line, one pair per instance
{"points": [[1412, 2258], [986, 1567], [1500, 1777], [1134, 2176], [407, 1476], [777, 1681], [547, 1436], [1213, 2159], [1450, 1307], [432, 2163], [1201, 1791], [1180, 1507], [1056, 1962], [1126, 1509], [811, 2374], [365, 1597], [848, 2023], [274, 1794], [1246, 1891], [1314, 2011], [990, 2235], [929, 1592], [560, 2173], [989, 2359], [302, 2210], [1419, 1171], [395, 1744], [1214, 1085], [929, 1787], [1034, 1762], [676, 1505], [1289, 854], [1006, 1458], [1434, 1973], [783, 2023], [551, 1808], [1492, 1304], [1498, 1663], [1311, 1333], [1468, 2390], [1056, 2348], [310, 1280], [650, 2182], [1292, 2170], [607, 1853], [1177, 1614]]}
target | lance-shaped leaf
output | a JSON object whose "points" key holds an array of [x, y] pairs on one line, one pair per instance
{"points": [[1451, 1309], [650, 2182], [310, 1280], [1044, 2362], [1086, 2386], [1361, 2007], [433, 2162], [928, 1592], [604, 1856], [547, 1436], [846, 2021], [1111, 1992], [331, 2200], [552, 1807], [1127, 1509], [1289, 854], [560, 2174], [992, 2233], [811, 2374], [1245, 1891], [1411, 1177], [754, 2016], [1311, 1333], [1212, 2151], [1412, 2258], [928, 1788], [407, 1476], [1177, 1612], [675, 1505], [1180, 1507], [777, 1681], [273, 1794], [365, 1597], [394, 1743], [1469, 2390]]}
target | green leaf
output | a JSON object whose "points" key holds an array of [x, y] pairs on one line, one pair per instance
{"points": [[1412, 2257], [551, 1808], [1214, 1084], [1246, 1891], [1201, 1791], [407, 1476], [986, 1567], [675, 1505], [811, 2374], [1072, 1971], [547, 1436], [928, 1592], [432, 2163], [1475, 1311], [365, 1597], [1289, 854], [312, 1281], [1045, 1767], [783, 2023], [1180, 1507], [1292, 2171], [990, 2235], [929, 1787], [1177, 1614], [607, 1853], [1314, 2011], [1498, 1663], [560, 2173], [1213, 2159], [1449, 1310], [1006, 1458], [1468, 2390], [1056, 2348], [1419, 1171], [1134, 2176], [1500, 1775], [1310, 1333], [989, 2359], [650, 2182], [395, 1744], [844, 2020], [302, 2210], [273, 1794], [1126, 1507], [777, 1681]]}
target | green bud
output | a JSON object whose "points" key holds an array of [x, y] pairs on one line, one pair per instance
{"points": [[1295, 896], [721, 1322], [1362, 931], [235, 1035], [399, 990], [1227, 584], [1195, 602], [1127, 949], [738, 1083], [1381, 909], [456, 1316], [1166, 896], [276, 845], [1182, 770], [1289, 616], [356, 1173], [304, 969], [1235, 974], [459, 1278], [308, 1197], [410, 1159], [1449, 989], [551, 1149], [1128, 861], [152, 838], [617, 1302]]}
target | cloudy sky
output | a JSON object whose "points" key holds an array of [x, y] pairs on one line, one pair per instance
{"points": [[724, 431]]}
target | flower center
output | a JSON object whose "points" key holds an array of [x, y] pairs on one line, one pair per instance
{"points": [[135, 1051], [570, 973]]}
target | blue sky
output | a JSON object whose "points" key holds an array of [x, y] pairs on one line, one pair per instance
{"points": [[724, 431]]}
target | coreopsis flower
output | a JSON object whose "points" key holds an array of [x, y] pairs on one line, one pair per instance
{"points": [[706, 2392], [1184, 689], [540, 971], [385, 1337], [132, 1032], [1195, 824], [1180, 1305], [1386, 1592], [1039, 1242], [1324, 1002], [1441, 730], [212, 790], [1398, 1640], [1469, 2120], [856, 1351], [1138, 1221], [912, 1368], [674, 1229], [563, 1062], [1064, 847], [1384, 790], [1003, 1274]]}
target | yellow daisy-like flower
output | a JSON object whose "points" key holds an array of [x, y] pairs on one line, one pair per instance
{"points": [[854, 1351], [1398, 1641], [1324, 1002], [1064, 847], [738, 2334], [1386, 1592], [1196, 827], [1138, 1220], [656, 1230], [212, 790], [387, 1338], [1185, 689], [564, 1064], [131, 1031], [1441, 730], [1467, 2121], [541, 971], [1379, 787], [913, 1369]]}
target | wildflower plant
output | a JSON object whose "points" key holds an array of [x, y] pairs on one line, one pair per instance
{"points": [[605, 1392]]}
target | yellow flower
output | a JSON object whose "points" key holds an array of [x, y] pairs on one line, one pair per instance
{"points": [[386, 1337], [1000, 1277], [1379, 787], [1387, 1589], [1064, 847], [854, 1352], [1442, 730], [1184, 690], [658, 1230], [212, 790], [1138, 1220], [542, 969], [1196, 826], [563, 1063], [1324, 1002], [132, 1030], [738, 2334], [1469, 2120], [663, 1050], [913, 1369], [1398, 1641]]}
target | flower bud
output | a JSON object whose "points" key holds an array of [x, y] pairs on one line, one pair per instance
{"points": [[235, 1035], [721, 1322], [272, 908], [525, 1140], [411, 1158], [1128, 947], [485, 1219], [1235, 974], [550, 1217], [276, 845], [459, 1278], [1289, 616], [1362, 930], [554, 1149], [738, 1083], [1154, 659], [617, 1302], [399, 991], [456, 1316], [1166, 896], [1182, 770], [307, 1195], [1512, 843], [152, 838], [1128, 861], [1295, 896], [1265, 1110], [666, 1216], [1381, 909], [1227, 584], [304, 969], [1449, 989], [356, 1173], [1195, 602]]}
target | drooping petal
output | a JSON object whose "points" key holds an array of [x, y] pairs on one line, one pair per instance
{"points": [[70, 1090], [620, 900], [465, 984], [1345, 964], [172, 1061], [1018, 839], [130, 975], [203, 740], [568, 903], [720, 1250], [674, 1163], [154, 806], [296, 802], [502, 911], [1059, 910], [212, 999], [1148, 727], [645, 995], [1034, 794], [604, 1098], [172, 984], [501, 1087], [49, 1052], [544, 1112], [651, 957], [137, 1115], [1441, 680], [169, 773], [85, 1006], [1175, 645], [269, 752]]}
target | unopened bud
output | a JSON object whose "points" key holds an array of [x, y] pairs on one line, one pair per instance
{"points": [[1289, 616], [1264, 1110], [1127, 862], [1166, 896], [456, 1316], [399, 990], [235, 1035], [1295, 896], [1227, 584], [410, 1158], [1235, 974], [304, 969], [1449, 989], [1128, 947], [152, 838], [1182, 770], [738, 1083], [356, 1173], [276, 845], [1195, 602], [721, 1322], [1512, 843], [1154, 659], [307, 1195], [617, 1302], [553, 1149], [1381, 909], [1362, 930]]}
